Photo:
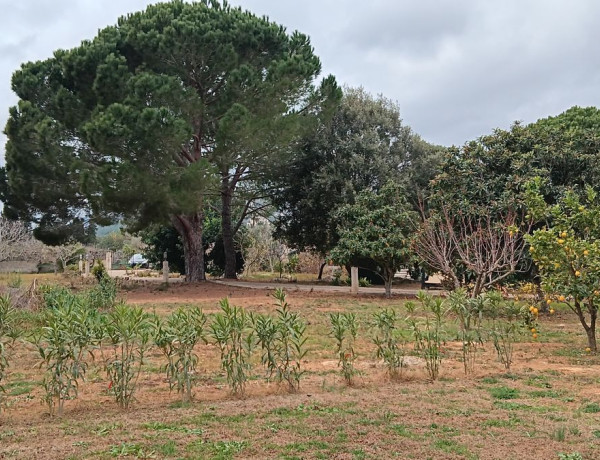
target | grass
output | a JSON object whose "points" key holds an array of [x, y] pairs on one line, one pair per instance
{"points": [[537, 407]]}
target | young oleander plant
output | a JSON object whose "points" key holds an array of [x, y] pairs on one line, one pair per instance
{"points": [[177, 337], [389, 341], [344, 329], [9, 333], [232, 332], [282, 340]]}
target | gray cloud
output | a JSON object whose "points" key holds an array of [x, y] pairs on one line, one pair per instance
{"points": [[458, 68]]}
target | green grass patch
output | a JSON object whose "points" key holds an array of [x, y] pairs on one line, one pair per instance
{"points": [[504, 392]]}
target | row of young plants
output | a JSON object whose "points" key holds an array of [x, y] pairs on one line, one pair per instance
{"points": [[74, 332], [424, 332]]}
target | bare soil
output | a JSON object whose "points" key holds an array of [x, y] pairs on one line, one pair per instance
{"points": [[553, 408]]}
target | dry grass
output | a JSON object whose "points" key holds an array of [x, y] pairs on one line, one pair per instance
{"points": [[548, 404]]}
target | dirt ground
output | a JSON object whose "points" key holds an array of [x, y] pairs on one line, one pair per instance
{"points": [[547, 404]]}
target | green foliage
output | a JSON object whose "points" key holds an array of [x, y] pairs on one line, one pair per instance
{"points": [[567, 252], [69, 331], [571, 456], [469, 313], [377, 226], [232, 332], [508, 319], [428, 332], [9, 332], [177, 336], [362, 147], [99, 271], [166, 115], [282, 340], [344, 329], [127, 331], [389, 341], [104, 295]]}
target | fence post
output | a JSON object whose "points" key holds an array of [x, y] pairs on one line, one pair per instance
{"points": [[354, 280]]}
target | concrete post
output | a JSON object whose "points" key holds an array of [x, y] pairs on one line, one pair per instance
{"points": [[81, 264], [87, 265], [108, 260], [165, 268], [354, 280]]}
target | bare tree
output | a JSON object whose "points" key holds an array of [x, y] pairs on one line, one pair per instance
{"points": [[488, 249], [16, 241]]}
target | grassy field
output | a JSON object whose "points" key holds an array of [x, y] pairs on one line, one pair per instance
{"points": [[547, 405]]}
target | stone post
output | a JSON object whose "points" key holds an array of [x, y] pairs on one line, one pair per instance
{"points": [[87, 265], [354, 280], [165, 268], [108, 260], [81, 264]]}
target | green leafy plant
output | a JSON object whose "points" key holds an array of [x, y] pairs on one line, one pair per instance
{"points": [[469, 314], [127, 329], [282, 341], [104, 294], [428, 331], [177, 336], [344, 329], [69, 332], [292, 265], [9, 332], [389, 341], [233, 333], [508, 319]]}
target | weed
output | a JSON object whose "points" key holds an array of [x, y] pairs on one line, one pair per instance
{"points": [[9, 332], [591, 408], [571, 456]]}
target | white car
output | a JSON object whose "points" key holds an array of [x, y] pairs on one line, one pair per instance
{"points": [[138, 260]]}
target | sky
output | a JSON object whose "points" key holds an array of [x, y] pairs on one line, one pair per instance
{"points": [[457, 68]]}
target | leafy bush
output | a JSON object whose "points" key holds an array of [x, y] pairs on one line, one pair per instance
{"points": [[104, 295], [344, 328], [469, 313], [282, 341], [176, 337], [232, 332], [128, 331]]}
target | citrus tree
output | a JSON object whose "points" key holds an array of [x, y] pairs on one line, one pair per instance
{"points": [[378, 226], [567, 252]]}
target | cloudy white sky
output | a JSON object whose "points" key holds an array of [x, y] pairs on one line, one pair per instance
{"points": [[458, 68]]}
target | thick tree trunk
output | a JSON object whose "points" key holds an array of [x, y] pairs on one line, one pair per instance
{"points": [[227, 232], [190, 228], [321, 268]]}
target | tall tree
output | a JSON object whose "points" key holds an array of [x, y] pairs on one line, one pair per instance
{"points": [[362, 147], [154, 114]]}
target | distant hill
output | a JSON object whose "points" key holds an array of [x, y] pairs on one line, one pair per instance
{"points": [[103, 231]]}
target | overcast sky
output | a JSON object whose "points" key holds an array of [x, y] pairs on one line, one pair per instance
{"points": [[458, 68]]}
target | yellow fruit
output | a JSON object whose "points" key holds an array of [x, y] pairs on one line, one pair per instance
{"points": [[563, 234], [556, 265], [548, 301], [588, 349], [577, 273], [586, 252], [534, 311], [596, 292], [561, 298], [552, 311], [581, 208], [533, 331], [531, 308], [534, 336], [561, 241], [531, 249]]}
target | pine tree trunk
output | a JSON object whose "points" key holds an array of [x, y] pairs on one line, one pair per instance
{"points": [[190, 228], [227, 232]]}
